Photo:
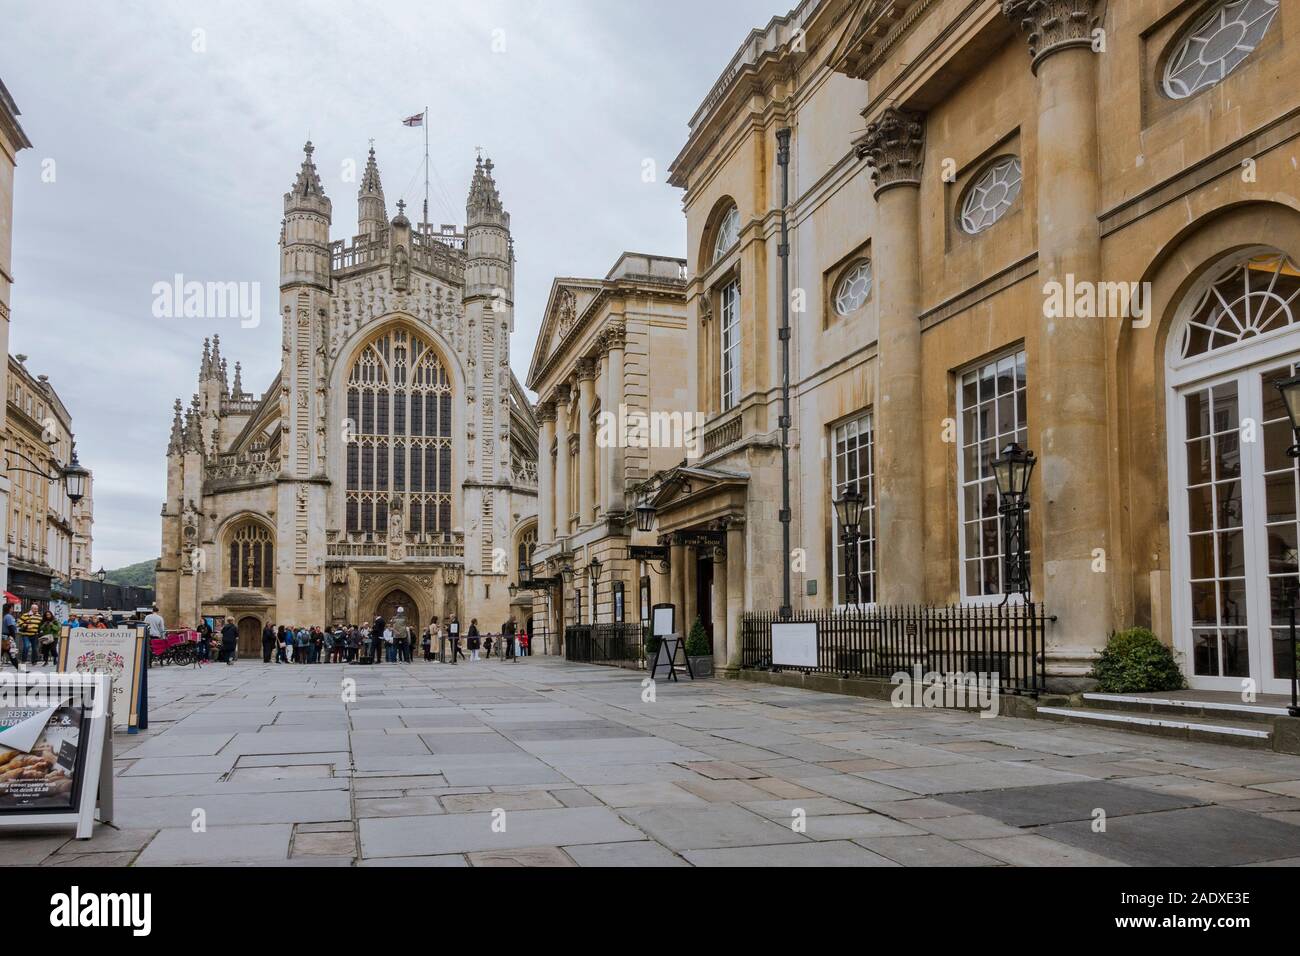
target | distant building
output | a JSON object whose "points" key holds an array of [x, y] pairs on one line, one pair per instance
{"points": [[12, 140], [38, 438]]}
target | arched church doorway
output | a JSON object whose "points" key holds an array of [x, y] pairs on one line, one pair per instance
{"points": [[387, 608], [250, 637]]}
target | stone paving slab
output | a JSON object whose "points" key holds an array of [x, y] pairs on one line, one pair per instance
{"points": [[711, 773]]}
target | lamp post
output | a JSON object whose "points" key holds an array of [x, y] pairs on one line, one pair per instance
{"points": [[1290, 390], [594, 567], [848, 509], [1012, 472], [783, 250]]}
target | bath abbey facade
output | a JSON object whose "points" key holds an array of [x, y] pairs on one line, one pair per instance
{"points": [[392, 462]]}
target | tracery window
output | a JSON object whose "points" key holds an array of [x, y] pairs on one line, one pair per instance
{"points": [[1217, 45], [252, 556], [400, 415], [1255, 297], [991, 195]]}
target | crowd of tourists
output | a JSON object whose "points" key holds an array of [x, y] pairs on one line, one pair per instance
{"points": [[395, 642], [31, 638]]}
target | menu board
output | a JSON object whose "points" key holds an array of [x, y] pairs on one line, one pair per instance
{"points": [[47, 778], [117, 652]]}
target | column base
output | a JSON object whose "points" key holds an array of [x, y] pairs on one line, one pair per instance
{"points": [[1069, 669]]}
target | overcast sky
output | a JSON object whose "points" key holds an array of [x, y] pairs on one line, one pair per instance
{"points": [[169, 159]]}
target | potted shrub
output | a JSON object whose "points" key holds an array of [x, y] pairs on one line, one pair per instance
{"points": [[699, 650], [651, 649], [1135, 660]]}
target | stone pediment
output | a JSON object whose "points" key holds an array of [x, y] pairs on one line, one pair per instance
{"points": [[568, 301]]}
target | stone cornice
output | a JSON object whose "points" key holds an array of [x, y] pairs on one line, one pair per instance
{"points": [[1053, 25], [894, 145]]}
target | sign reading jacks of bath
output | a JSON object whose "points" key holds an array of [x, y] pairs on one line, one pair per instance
{"points": [[115, 651]]}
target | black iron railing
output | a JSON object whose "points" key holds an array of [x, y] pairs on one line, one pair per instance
{"points": [[622, 645], [880, 642]]}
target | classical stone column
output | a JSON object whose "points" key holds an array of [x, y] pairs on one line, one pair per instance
{"points": [[895, 146], [690, 590], [1070, 372], [677, 582], [561, 403], [720, 633], [545, 474], [615, 483], [735, 589], [586, 440]]}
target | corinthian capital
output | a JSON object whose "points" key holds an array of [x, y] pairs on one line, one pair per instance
{"points": [[894, 145], [1052, 25]]}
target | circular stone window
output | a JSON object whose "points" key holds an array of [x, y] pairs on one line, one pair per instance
{"points": [[991, 195], [853, 288], [1217, 45]]}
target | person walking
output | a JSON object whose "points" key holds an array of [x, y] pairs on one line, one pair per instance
{"points": [[154, 625], [403, 640], [521, 638], [29, 629], [229, 641], [453, 635], [49, 636], [472, 639], [9, 636], [508, 637]]}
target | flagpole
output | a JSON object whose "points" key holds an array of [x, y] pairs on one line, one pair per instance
{"points": [[426, 170]]}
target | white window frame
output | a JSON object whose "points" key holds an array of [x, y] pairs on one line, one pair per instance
{"points": [[1242, 363], [996, 598], [729, 344], [866, 485]]}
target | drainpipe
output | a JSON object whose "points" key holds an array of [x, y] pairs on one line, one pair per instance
{"points": [[783, 250]]}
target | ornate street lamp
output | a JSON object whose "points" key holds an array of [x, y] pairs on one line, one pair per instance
{"points": [[1290, 389], [594, 567], [514, 590], [1012, 472], [645, 515], [101, 574], [73, 475], [848, 510]]}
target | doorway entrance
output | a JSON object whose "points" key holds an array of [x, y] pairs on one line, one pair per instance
{"points": [[250, 637], [1233, 488], [387, 608], [703, 595]]}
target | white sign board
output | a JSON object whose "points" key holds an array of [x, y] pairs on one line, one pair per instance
{"points": [[663, 622], [56, 751], [115, 651], [794, 645]]}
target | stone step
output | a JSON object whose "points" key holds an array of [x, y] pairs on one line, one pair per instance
{"points": [[1240, 733], [1185, 707]]}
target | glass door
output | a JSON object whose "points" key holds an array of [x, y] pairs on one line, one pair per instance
{"points": [[1235, 544]]}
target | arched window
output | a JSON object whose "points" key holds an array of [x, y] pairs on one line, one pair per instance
{"points": [[527, 545], [400, 418], [1250, 298], [252, 556], [991, 195], [1218, 44], [728, 232]]}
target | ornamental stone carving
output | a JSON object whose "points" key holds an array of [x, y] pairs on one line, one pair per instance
{"points": [[1053, 25], [894, 145]]}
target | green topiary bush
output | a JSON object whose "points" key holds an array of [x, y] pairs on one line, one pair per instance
{"points": [[697, 642], [1135, 660]]}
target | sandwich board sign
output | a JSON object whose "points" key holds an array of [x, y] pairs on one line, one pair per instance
{"points": [[663, 626], [56, 750], [118, 652]]}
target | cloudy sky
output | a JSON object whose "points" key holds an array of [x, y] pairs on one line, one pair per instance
{"points": [[162, 150]]}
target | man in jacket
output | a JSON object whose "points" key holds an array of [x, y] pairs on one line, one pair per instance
{"points": [[229, 641], [268, 643], [29, 629], [508, 637]]}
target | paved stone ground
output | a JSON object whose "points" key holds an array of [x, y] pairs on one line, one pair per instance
{"points": [[582, 772]]}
